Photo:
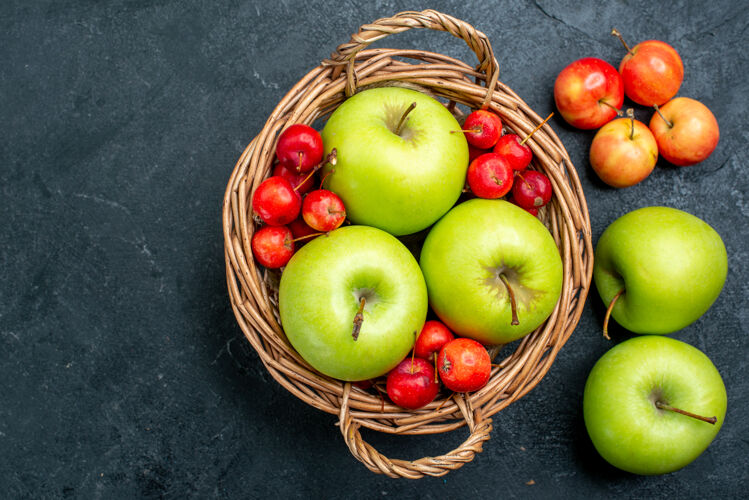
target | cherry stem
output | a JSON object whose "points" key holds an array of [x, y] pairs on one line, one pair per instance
{"points": [[608, 314], [513, 305], [382, 398], [658, 110], [443, 402], [536, 129], [299, 167], [619, 112], [631, 116], [403, 118], [307, 236], [413, 351], [325, 177], [709, 420], [358, 319], [527, 184], [471, 130], [331, 158], [616, 33]]}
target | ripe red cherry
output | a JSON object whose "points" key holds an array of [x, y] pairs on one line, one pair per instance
{"points": [[482, 129], [302, 232], [533, 210], [489, 176], [323, 210], [517, 155], [412, 384], [433, 336], [531, 190], [299, 147], [273, 246], [464, 365], [296, 179], [276, 202], [474, 152]]}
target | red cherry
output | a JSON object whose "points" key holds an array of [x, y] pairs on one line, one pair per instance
{"points": [[300, 230], [517, 155], [276, 202], [296, 179], [474, 152], [363, 384], [533, 210], [489, 176], [412, 383], [273, 246], [532, 189], [464, 365], [323, 210], [299, 147], [482, 128], [433, 336]]}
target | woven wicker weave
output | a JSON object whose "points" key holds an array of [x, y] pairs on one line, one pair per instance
{"points": [[253, 290]]}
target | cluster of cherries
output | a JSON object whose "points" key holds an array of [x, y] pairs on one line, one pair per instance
{"points": [[462, 364], [292, 210], [498, 163]]}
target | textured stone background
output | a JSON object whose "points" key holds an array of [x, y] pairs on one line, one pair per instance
{"points": [[122, 370]]}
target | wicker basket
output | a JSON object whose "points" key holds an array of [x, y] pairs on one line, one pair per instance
{"points": [[253, 290]]}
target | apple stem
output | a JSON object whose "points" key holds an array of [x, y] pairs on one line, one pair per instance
{"points": [[403, 118], [436, 375], [358, 319], [513, 305], [307, 236], [619, 112], [631, 116], [663, 406], [608, 314], [616, 33], [331, 158], [536, 129], [658, 110]]}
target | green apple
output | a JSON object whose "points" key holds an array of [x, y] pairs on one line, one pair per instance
{"points": [[480, 256], [631, 400], [399, 180], [670, 265], [321, 292]]}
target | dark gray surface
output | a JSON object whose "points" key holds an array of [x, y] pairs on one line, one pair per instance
{"points": [[122, 370]]}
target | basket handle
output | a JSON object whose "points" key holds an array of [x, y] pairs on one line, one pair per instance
{"points": [[369, 33], [429, 466]]}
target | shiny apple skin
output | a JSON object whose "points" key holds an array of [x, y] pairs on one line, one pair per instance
{"points": [[582, 88], [652, 72], [620, 160], [693, 136]]}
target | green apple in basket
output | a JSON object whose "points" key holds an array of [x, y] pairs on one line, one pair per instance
{"points": [[492, 270], [352, 301], [399, 167]]}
